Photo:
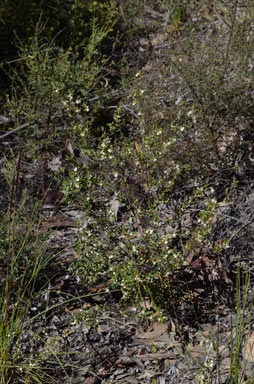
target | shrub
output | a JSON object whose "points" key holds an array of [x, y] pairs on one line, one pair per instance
{"points": [[56, 92]]}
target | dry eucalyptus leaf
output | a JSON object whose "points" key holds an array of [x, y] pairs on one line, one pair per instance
{"points": [[198, 353], [125, 361], [248, 351], [158, 330], [157, 356], [69, 148]]}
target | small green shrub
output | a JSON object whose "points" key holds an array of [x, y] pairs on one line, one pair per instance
{"points": [[139, 262], [127, 259], [54, 90]]}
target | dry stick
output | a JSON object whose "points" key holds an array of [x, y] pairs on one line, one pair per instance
{"points": [[20, 127], [14, 130], [25, 57]]}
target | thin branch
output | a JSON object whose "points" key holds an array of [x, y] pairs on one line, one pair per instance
{"points": [[230, 37], [14, 130]]}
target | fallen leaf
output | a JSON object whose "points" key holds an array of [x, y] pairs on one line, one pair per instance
{"points": [[158, 330], [198, 352], [137, 147], [157, 356], [69, 148], [248, 350], [125, 361]]}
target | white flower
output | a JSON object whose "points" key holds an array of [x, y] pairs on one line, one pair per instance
{"points": [[78, 101]]}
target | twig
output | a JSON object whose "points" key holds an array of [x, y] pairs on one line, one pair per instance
{"points": [[230, 37], [14, 130], [22, 58]]}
